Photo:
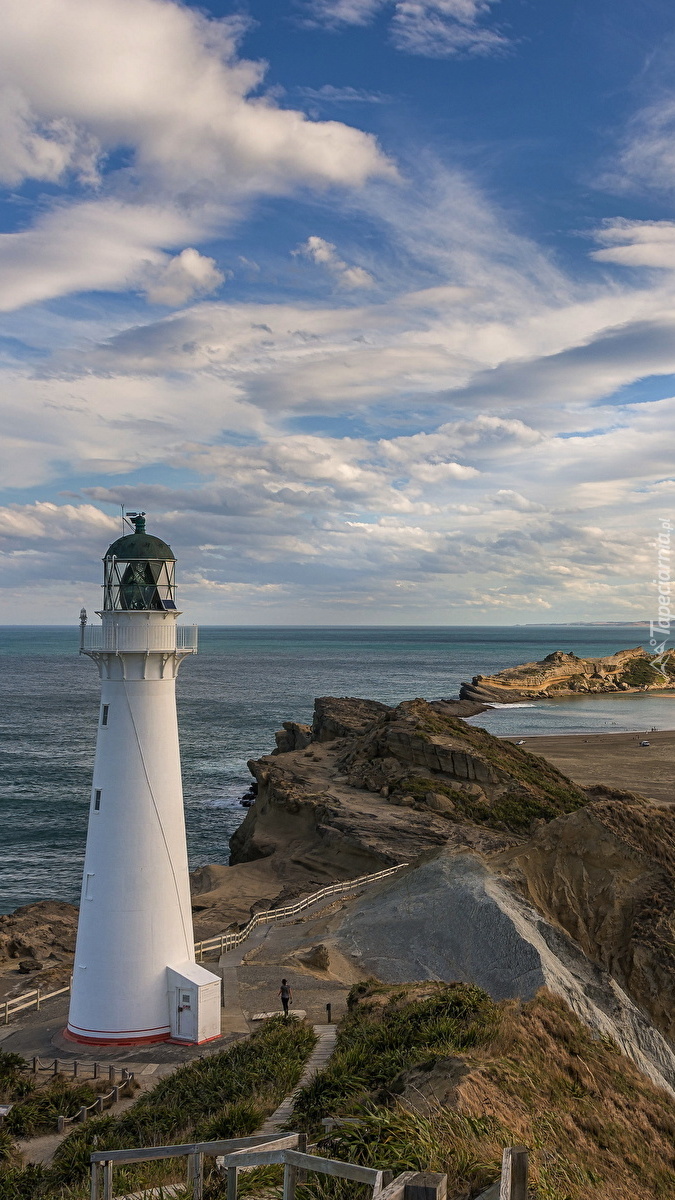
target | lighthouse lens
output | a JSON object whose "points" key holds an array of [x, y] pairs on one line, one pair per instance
{"points": [[138, 588]]}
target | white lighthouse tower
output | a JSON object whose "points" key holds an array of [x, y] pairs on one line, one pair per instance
{"points": [[135, 978]]}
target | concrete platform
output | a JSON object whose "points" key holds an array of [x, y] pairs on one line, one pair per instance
{"points": [[41, 1033]]}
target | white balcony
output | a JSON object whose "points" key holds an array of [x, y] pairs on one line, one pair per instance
{"points": [[140, 638]]}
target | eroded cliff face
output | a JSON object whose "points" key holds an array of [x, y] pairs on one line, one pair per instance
{"points": [[378, 786], [606, 875], [561, 674]]}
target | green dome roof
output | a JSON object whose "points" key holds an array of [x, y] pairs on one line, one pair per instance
{"points": [[140, 545]]}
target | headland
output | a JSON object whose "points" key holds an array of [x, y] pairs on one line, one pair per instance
{"points": [[565, 674], [519, 874]]}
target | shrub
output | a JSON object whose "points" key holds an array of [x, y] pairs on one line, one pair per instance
{"points": [[638, 672], [231, 1091]]}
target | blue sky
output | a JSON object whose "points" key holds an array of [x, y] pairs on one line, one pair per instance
{"points": [[368, 303]]}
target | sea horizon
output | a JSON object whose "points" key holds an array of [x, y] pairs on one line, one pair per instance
{"points": [[232, 697]]}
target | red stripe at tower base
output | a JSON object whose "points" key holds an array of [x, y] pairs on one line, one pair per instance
{"points": [[122, 1040]]}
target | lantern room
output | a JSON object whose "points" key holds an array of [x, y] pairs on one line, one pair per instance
{"points": [[139, 573]]}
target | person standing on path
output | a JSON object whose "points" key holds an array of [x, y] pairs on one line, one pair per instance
{"points": [[286, 996]]}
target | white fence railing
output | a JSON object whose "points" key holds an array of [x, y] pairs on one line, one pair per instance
{"points": [[223, 942], [32, 999], [157, 636]]}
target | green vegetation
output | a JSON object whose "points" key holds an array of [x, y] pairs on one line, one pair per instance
{"points": [[514, 809], [223, 1095], [536, 789], [507, 1073], [38, 1101], [638, 672], [389, 1033]]}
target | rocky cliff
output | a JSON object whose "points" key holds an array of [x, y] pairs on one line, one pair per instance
{"points": [[561, 674], [36, 946], [606, 875], [377, 786]]}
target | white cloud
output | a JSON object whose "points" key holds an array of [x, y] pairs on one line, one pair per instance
{"points": [[55, 522], [444, 28], [162, 83], [329, 94], [324, 254], [164, 80], [637, 243], [187, 275], [102, 244], [45, 150], [647, 156], [433, 28], [507, 498], [334, 13]]}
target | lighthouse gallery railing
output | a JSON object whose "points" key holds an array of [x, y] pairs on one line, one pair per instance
{"points": [[158, 636]]}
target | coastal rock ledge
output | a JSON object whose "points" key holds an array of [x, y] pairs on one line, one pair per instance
{"points": [[377, 786], [561, 674]]}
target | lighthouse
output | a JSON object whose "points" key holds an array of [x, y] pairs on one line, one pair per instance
{"points": [[135, 979]]}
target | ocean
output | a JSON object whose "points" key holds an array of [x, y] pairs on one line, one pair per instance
{"points": [[231, 698]]}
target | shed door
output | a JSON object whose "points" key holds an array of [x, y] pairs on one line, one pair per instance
{"points": [[186, 1004]]}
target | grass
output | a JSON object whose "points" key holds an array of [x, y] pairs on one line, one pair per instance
{"points": [[223, 1095], [531, 1073], [38, 1102], [384, 1035], [534, 788]]}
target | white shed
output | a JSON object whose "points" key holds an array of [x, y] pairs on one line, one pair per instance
{"points": [[194, 1003]]}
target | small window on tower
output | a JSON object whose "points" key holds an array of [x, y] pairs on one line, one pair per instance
{"points": [[104, 714], [97, 799]]}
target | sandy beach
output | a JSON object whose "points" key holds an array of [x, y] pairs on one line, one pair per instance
{"points": [[614, 759]]}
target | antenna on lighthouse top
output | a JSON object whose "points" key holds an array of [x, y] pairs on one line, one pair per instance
{"points": [[138, 521]]}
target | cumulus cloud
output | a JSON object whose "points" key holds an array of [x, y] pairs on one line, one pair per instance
{"points": [[182, 100], [325, 254], [31, 148], [187, 275], [507, 498], [164, 84], [92, 245]]}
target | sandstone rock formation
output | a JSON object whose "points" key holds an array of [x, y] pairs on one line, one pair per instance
{"points": [[43, 935], [44, 931], [453, 918], [333, 806], [561, 674], [375, 786], [383, 785], [606, 875]]}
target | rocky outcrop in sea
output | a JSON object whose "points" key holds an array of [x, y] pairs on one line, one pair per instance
{"points": [[561, 674]]}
